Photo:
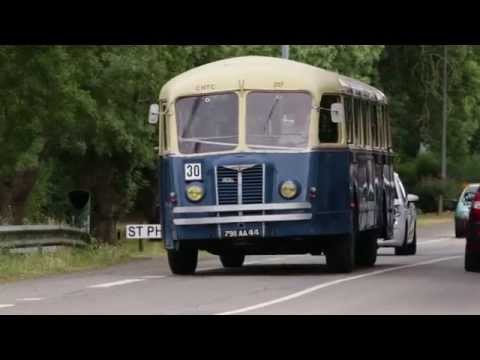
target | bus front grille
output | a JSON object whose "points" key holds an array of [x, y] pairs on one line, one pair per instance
{"points": [[240, 184], [252, 185], [227, 186]]}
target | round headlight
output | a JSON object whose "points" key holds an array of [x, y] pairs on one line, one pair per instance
{"points": [[288, 190], [195, 192]]}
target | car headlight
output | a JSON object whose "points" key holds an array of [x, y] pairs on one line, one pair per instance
{"points": [[289, 189], [195, 192]]}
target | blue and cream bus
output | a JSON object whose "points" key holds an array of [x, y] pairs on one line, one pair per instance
{"points": [[262, 155]]}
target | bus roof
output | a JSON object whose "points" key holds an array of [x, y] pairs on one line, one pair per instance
{"points": [[265, 73]]}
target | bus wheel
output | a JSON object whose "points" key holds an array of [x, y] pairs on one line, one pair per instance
{"points": [[366, 250], [232, 260], [340, 254], [183, 262]]}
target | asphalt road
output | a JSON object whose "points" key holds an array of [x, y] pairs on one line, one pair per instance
{"points": [[432, 282]]}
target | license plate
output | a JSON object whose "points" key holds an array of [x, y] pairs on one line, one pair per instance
{"points": [[247, 232]]}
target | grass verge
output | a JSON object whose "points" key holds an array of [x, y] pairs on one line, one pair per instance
{"points": [[434, 218], [25, 266]]}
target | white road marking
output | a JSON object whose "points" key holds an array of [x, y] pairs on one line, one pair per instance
{"points": [[332, 283], [115, 283], [432, 241], [147, 277], [4, 306], [31, 299]]}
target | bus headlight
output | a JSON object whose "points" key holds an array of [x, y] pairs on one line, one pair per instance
{"points": [[195, 192], [289, 190]]}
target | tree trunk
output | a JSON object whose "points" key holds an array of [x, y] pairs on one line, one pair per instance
{"points": [[105, 229], [5, 200], [22, 188], [104, 215], [14, 195]]}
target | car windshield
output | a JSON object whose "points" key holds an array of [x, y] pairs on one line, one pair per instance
{"points": [[207, 123], [278, 120]]}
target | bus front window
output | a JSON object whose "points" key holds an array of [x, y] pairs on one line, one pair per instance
{"points": [[207, 123], [278, 120]]}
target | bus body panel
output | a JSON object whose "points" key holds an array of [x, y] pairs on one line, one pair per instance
{"points": [[343, 178]]}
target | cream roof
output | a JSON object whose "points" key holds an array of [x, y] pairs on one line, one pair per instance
{"points": [[263, 73]]}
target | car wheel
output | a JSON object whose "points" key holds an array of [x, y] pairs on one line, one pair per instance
{"points": [[459, 230], [472, 258], [408, 249], [366, 250], [183, 262], [232, 260]]}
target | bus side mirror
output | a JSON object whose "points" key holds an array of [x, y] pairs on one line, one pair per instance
{"points": [[338, 113], [154, 114], [412, 198]]}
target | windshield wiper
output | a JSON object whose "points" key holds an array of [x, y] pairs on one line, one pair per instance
{"points": [[267, 123]]}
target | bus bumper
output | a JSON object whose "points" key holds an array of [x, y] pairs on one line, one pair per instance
{"points": [[216, 214], [276, 221]]}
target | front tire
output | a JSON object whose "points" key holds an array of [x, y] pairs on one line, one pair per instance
{"points": [[366, 250], [340, 254], [232, 260], [183, 262]]}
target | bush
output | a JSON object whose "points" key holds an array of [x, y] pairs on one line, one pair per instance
{"points": [[421, 177]]}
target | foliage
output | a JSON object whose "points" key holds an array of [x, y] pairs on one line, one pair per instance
{"points": [[74, 117]]}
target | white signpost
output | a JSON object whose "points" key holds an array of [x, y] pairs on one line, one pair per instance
{"points": [[150, 231]]}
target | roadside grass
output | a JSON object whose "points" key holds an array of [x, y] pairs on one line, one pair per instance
{"points": [[65, 260], [434, 218]]}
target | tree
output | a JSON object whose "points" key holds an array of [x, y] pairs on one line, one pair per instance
{"points": [[36, 95]]}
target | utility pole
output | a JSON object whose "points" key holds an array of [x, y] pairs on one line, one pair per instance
{"points": [[444, 125], [286, 51]]}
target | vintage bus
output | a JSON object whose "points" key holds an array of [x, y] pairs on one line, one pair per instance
{"points": [[263, 156]]}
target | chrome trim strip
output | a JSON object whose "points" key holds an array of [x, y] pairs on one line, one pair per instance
{"points": [[240, 189], [239, 168], [235, 208], [242, 219]]}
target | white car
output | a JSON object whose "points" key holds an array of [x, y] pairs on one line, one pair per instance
{"points": [[405, 229]]}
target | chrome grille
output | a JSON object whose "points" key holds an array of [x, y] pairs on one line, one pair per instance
{"points": [[240, 186], [227, 186], [252, 185]]}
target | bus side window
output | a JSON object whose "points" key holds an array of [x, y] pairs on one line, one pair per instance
{"points": [[387, 125], [328, 132], [381, 127], [366, 123], [357, 119], [349, 120], [374, 120]]}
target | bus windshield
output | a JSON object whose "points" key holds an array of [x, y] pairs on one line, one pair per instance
{"points": [[278, 120], [207, 123]]}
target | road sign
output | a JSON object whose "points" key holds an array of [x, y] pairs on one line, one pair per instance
{"points": [[151, 231]]}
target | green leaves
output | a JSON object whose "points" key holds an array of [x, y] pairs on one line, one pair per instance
{"points": [[82, 110]]}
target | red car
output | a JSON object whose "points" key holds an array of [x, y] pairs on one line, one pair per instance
{"points": [[472, 251]]}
